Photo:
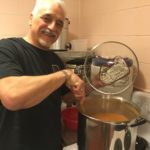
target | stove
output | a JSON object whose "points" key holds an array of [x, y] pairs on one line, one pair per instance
{"points": [[143, 133], [141, 144], [119, 143], [124, 141], [142, 99]]}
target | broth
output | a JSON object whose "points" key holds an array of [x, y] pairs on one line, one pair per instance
{"points": [[114, 117]]}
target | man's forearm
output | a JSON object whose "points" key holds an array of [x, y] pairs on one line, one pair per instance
{"points": [[26, 91]]}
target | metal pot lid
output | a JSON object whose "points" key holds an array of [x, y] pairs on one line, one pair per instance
{"points": [[113, 67]]}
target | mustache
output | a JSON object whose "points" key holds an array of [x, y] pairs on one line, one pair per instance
{"points": [[48, 32]]}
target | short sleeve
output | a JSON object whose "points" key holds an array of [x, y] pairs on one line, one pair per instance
{"points": [[9, 64]]}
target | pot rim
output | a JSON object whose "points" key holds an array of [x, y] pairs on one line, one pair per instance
{"points": [[109, 98]]}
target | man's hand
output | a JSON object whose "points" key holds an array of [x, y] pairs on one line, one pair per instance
{"points": [[76, 85]]}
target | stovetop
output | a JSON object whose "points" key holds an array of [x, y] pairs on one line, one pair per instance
{"points": [[144, 132], [141, 144]]}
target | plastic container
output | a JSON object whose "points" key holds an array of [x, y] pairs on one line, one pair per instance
{"points": [[70, 118], [79, 44]]}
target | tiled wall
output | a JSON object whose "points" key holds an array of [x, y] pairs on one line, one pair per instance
{"points": [[97, 20], [120, 20]]}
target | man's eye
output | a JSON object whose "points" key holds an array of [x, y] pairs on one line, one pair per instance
{"points": [[46, 19], [60, 23]]}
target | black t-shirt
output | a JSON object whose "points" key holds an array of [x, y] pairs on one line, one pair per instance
{"points": [[39, 127]]}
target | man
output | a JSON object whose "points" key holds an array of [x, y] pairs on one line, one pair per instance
{"points": [[32, 82]]}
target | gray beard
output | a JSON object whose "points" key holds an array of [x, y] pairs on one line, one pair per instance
{"points": [[44, 44]]}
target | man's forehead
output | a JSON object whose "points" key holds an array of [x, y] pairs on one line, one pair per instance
{"points": [[53, 10], [47, 6]]}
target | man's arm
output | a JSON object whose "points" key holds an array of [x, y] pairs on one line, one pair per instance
{"points": [[21, 92]]}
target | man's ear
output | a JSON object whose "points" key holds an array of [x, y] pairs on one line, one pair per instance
{"points": [[30, 19]]}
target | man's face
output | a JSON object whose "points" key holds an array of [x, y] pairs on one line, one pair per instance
{"points": [[47, 25]]}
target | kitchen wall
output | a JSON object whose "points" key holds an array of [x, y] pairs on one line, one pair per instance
{"points": [[99, 20], [120, 20], [14, 17], [73, 13]]}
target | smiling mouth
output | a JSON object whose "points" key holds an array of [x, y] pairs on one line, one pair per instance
{"points": [[48, 33]]}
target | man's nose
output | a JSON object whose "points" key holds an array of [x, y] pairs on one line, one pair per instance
{"points": [[52, 25]]}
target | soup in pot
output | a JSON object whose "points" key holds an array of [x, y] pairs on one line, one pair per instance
{"points": [[110, 117]]}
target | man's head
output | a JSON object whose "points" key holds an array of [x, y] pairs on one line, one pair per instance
{"points": [[46, 23], [41, 4]]}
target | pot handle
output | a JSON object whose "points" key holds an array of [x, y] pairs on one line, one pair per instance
{"points": [[139, 121], [120, 127]]}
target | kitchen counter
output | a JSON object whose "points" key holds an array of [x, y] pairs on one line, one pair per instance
{"points": [[69, 55]]}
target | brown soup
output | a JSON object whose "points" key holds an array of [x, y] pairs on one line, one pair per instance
{"points": [[110, 117]]}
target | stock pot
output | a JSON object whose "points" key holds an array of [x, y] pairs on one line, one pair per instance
{"points": [[105, 134], [62, 43], [114, 62]]}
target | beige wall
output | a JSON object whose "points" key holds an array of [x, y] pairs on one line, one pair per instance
{"points": [[121, 20], [73, 13], [98, 20], [14, 17]]}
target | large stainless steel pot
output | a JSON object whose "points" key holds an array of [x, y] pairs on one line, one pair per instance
{"points": [[110, 135], [62, 42]]}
